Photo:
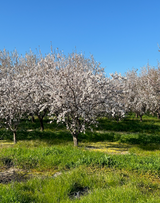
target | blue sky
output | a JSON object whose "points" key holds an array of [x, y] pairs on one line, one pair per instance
{"points": [[121, 34]]}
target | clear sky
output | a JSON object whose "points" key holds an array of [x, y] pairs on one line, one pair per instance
{"points": [[121, 34]]}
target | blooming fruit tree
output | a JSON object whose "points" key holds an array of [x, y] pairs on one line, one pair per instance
{"points": [[79, 93], [13, 96]]}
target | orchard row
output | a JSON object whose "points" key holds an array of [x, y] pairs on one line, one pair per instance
{"points": [[71, 89]]}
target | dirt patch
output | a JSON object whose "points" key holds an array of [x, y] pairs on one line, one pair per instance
{"points": [[8, 163], [13, 174], [78, 191]]}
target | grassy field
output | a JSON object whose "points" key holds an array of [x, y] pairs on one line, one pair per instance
{"points": [[118, 162]]}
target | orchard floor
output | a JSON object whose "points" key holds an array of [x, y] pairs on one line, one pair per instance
{"points": [[118, 162]]}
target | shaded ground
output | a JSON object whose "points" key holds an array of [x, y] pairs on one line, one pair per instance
{"points": [[147, 131]]}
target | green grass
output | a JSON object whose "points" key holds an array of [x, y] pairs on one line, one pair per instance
{"points": [[118, 162], [99, 186], [68, 157]]}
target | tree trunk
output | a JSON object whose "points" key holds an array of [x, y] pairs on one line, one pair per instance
{"points": [[136, 115], [158, 115], [140, 118], [14, 137], [41, 123], [33, 119], [75, 140]]}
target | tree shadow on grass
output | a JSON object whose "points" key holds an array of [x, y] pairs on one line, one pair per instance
{"points": [[129, 126], [46, 136], [31, 131], [63, 136], [132, 139], [150, 147], [127, 131], [149, 125], [27, 124], [96, 137]]}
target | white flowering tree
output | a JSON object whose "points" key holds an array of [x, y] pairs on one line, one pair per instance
{"points": [[37, 71], [73, 89], [116, 104], [13, 97], [79, 93], [152, 88], [136, 100], [35, 90]]}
